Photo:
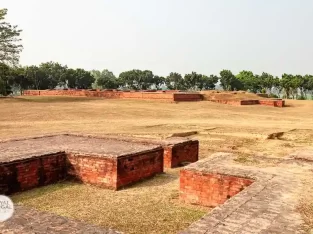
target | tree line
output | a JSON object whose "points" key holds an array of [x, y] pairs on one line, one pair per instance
{"points": [[51, 75]]}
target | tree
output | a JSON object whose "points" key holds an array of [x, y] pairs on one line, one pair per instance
{"points": [[286, 84], [36, 77], [20, 79], [158, 81], [55, 74], [10, 46], [229, 81], [84, 79], [249, 81], [175, 81], [267, 82], [105, 79], [208, 82], [5, 87]]}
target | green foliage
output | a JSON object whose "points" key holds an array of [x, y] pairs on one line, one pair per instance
{"points": [[139, 80], [196, 81], [175, 81], [10, 46], [249, 81], [104, 79], [229, 81]]}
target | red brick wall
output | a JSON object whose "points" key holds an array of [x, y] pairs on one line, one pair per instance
{"points": [[30, 173], [174, 155], [187, 97], [94, 170], [131, 169], [272, 102], [209, 189], [168, 96]]}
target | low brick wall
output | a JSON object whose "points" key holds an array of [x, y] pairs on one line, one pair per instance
{"points": [[166, 96], [209, 189], [134, 168], [30, 173], [175, 155], [264, 102], [91, 169], [187, 97], [272, 102]]}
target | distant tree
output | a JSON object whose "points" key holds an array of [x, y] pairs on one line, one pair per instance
{"points": [[208, 82], [10, 46], [84, 79], [229, 81], [5, 75], [105, 79], [267, 82], [21, 81], [158, 81], [286, 84], [249, 81], [136, 79], [69, 78], [175, 81], [36, 77], [55, 73], [193, 81]]}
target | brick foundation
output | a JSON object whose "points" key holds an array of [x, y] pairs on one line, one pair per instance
{"points": [[166, 96], [175, 155], [265, 102], [112, 173], [209, 189], [30, 173]]}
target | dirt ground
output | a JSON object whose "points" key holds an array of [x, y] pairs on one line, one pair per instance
{"points": [[220, 128]]}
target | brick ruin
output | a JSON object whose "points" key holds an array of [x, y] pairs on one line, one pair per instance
{"points": [[246, 199], [170, 96], [113, 94], [105, 162]]}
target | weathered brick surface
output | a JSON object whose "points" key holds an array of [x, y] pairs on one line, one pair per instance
{"points": [[187, 97], [175, 155], [272, 102], [93, 170], [167, 96], [30, 173], [208, 189], [135, 168]]}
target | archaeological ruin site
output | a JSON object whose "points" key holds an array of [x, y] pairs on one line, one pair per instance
{"points": [[246, 199]]}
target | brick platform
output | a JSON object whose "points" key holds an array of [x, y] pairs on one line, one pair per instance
{"points": [[107, 162]]}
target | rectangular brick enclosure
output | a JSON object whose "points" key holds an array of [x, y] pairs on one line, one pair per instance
{"points": [[105, 162], [209, 189]]}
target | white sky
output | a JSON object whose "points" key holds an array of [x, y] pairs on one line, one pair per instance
{"points": [[166, 36]]}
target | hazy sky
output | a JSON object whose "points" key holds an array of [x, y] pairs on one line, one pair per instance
{"points": [[168, 35]]}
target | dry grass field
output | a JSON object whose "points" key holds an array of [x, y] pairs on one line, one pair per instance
{"points": [[152, 206]]}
